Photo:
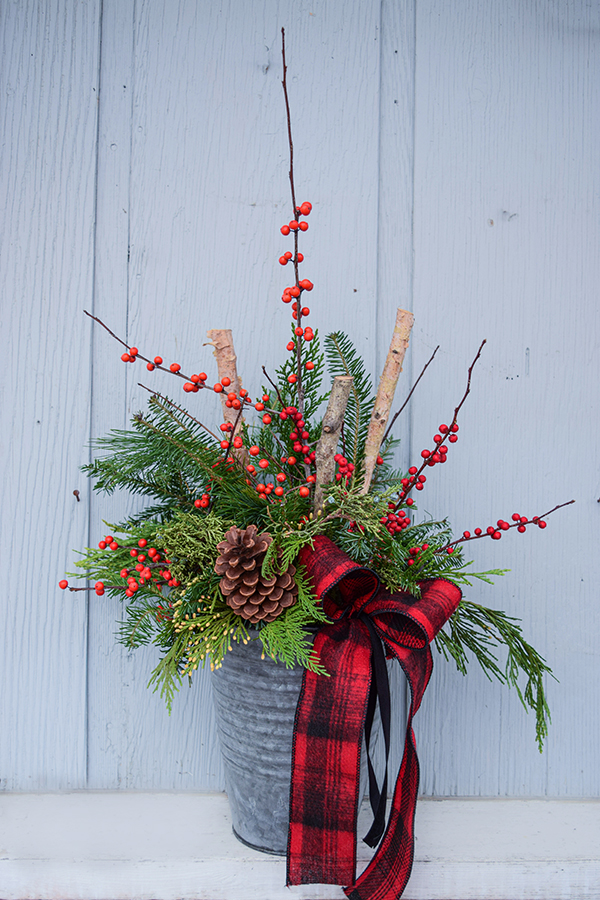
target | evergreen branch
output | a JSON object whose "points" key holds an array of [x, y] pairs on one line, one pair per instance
{"points": [[477, 629]]}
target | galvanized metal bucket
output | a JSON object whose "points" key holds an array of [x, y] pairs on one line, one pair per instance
{"points": [[255, 704]]}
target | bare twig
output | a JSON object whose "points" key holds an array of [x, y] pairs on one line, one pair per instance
{"points": [[299, 385], [412, 390], [330, 432], [385, 392], [180, 408], [270, 380]]}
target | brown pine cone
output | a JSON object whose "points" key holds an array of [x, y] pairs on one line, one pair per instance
{"points": [[246, 591]]}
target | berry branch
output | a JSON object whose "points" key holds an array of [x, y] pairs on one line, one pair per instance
{"points": [[438, 455], [495, 532]]}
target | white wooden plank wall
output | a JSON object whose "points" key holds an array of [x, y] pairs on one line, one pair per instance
{"points": [[417, 126]]}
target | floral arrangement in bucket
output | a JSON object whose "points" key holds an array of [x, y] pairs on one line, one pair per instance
{"points": [[291, 527]]}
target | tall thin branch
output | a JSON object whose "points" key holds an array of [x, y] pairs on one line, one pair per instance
{"points": [[385, 392]]}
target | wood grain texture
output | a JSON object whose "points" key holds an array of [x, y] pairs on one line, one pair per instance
{"points": [[449, 151], [202, 150], [507, 113], [49, 89]]}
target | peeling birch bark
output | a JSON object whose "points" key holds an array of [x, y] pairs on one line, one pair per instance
{"points": [[222, 341], [385, 392], [330, 433]]}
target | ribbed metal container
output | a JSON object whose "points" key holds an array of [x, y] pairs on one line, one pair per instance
{"points": [[255, 703]]}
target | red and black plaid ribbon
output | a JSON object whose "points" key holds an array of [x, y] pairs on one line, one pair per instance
{"points": [[330, 721]]}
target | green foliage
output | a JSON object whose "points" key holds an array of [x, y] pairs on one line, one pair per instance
{"points": [[344, 360], [171, 459], [478, 630]]}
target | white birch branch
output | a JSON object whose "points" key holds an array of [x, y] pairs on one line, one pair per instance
{"points": [[330, 433], [385, 392]]}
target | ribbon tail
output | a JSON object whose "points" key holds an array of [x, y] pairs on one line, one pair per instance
{"points": [[388, 872]]}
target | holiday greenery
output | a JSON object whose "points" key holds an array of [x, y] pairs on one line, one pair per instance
{"points": [[211, 558]]}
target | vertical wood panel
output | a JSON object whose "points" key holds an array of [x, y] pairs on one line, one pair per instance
{"points": [[207, 194], [506, 237], [49, 89]]}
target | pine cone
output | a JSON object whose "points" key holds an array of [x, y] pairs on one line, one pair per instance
{"points": [[246, 591]]}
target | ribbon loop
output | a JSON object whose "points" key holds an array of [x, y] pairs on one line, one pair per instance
{"points": [[333, 713]]}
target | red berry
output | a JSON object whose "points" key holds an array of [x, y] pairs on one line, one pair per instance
{"points": [[113, 545], [300, 257], [437, 439], [541, 523], [197, 503], [443, 429], [308, 334], [202, 376], [522, 529], [63, 584], [225, 381], [516, 517], [158, 360], [174, 367], [310, 365], [279, 491], [254, 451], [496, 535], [298, 330], [293, 225], [99, 585], [285, 229], [126, 357], [410, 501], [290, 345], [478, 531], [283, 260], [412, 470], [217, 388], [292, 379], [150, 367], [188, 386], [142, 542], [133, 351], [102, 545], [306, 285], [287, 254], [295, 291], [266, 419], [195, 378], [305, 208], [425, 454], [453, 438], [264, 463], [304, 491], [259, 407], [224, 445], [303, 226], [466, 535], [454, 427], [292, 460]]}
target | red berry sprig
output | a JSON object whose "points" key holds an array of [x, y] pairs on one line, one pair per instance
{"points": [[395, 522], [495, 531], [439, 453]]}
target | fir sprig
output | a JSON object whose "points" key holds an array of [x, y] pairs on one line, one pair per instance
{"points": [[478, 630]]}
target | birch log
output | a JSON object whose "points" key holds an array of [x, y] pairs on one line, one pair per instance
{"points": [[330, 433], [222, 341], [385, 392]]}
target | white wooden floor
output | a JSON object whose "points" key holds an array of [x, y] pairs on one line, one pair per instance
{"points": [[167, 846]]}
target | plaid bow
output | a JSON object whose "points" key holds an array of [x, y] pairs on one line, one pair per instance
{"points": [[330, 720]]}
